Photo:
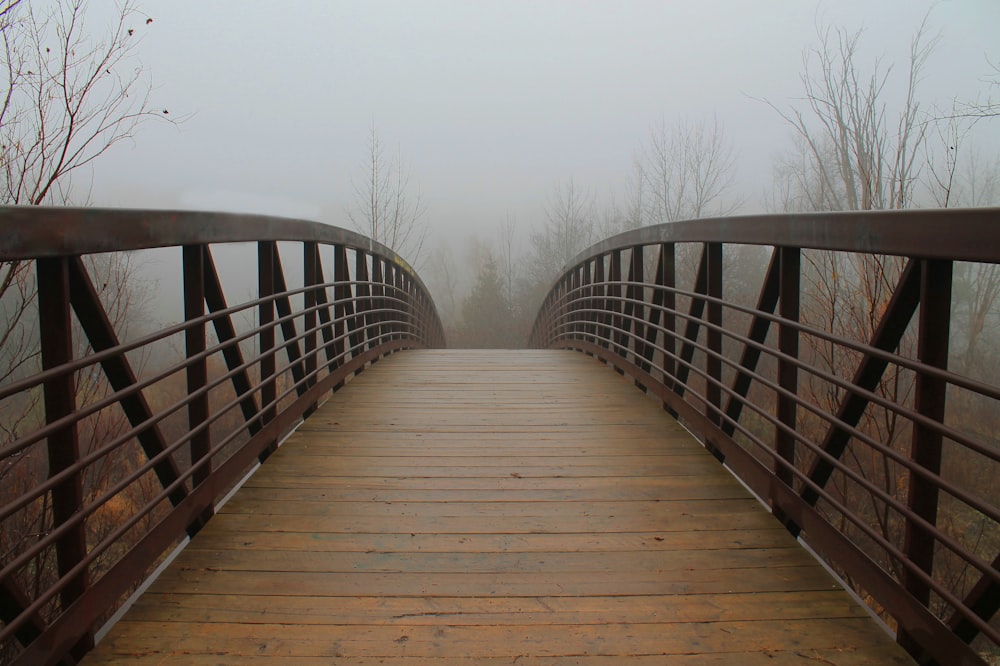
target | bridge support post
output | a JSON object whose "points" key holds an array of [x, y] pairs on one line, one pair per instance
{"points": [[310, 278], [713, 363], [266, 251], [934, 322], [197, 370], [790, 260], [56, 338]]}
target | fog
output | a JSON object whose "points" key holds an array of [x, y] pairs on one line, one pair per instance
{"points": [[489, 104]]}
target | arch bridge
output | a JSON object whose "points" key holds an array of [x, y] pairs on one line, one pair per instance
{"points": [[778, 442]]}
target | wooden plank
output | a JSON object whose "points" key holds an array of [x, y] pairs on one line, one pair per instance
{"points": [[618, 640], [473, 611], [497, 543], [494, 508]]}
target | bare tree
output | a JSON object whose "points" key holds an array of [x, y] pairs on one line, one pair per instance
{"points": [[71, 95], [852, 154], [686, 172], [507, 258], [442, 279], [987, 105], [384, 209], [637, 206], [569, 228]]}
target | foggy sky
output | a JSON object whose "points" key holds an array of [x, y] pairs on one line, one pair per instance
{"points": [[489, 103]]}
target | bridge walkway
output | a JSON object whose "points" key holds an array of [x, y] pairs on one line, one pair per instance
{"points": [[494, 507]]}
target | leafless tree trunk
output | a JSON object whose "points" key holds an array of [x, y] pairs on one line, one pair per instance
{"points": [[384, 209], [507, 256]]}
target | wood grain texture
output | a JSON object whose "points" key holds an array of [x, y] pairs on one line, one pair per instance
{"points": [[494, 507]]}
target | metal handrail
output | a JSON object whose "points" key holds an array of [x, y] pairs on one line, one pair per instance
{"points": [[870, 507], [81, 557]]}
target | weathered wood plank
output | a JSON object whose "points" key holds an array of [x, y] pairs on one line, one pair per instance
{"points": [[510, 641], [473, 611], [494, 508]]}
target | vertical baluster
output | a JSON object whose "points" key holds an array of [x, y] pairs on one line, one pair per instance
{"points": [[636, 294], [378, 288], [615, 300], [56, 340], [603, 306], [310, 277], [268, 357], [197, 371], [929, 400], [343, 310], [790, 259], [363, 304], [713, 360], [654, 312], [589, 327], [668, 267]]}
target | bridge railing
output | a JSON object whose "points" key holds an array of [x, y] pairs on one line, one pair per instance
{"points": [[116, 446], [844, 367]]}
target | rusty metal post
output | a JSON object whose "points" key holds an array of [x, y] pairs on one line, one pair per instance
{"points": [[378, 288], [197, 371], [266, 251], [615, 300], [310, 277], [934, 324], [600, 303], [363, 301], [343, 311], [790, 270], [400, 283], [589, 328], [667, 278], [651, 321], [56, 338], [713, 362], [636, 293]]}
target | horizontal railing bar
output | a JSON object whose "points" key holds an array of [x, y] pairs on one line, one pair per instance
{"points": [[20, 502], [88, 509], [109, 587], [951, 433], [952, 378], [7, 631], [97, 357], [916, 417], [902, 509]]}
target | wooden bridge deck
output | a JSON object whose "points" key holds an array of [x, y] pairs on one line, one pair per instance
{"points": [[494, 508]]}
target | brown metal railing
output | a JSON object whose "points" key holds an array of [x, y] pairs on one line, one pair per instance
{"points": [[833, 384], [112, 454]]}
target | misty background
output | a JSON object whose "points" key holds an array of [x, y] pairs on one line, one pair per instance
{"points": [[492, 107]]}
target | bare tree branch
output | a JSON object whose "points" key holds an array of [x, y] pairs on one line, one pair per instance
{"points": [[384, 208]]}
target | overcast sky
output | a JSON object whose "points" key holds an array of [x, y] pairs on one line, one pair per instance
{"points": [[490, 103]]}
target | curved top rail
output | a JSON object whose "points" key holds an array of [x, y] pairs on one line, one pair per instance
{"points": [[912, 233], [50, 231]]}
